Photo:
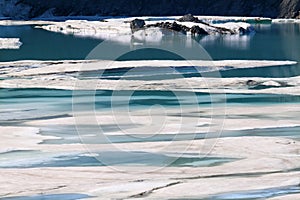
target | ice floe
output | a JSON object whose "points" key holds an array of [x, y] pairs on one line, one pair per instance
{"points": [[10, 43], [278, 21], [31, 68], [64, 75], [207, 85], [253, 163], [263, 158], [118, 29], [224, 19], [113, 29], [13, 137]]}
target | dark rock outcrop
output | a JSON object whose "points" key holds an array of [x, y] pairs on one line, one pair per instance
{"points": [[189, 18], [175, 27], [251, 83], [137, 24], [242, 31], [196, 30], [266, 8], [170, 26]]}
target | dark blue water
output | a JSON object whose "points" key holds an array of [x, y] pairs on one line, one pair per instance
{"points": [[43, 45], [276, 41], [271, 42]]}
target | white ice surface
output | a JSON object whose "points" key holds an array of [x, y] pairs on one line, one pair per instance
{"points": [[29, 68], [14, 137], [10, 43], [279, 21], [119, 29], [44, 74], [262, 155]]}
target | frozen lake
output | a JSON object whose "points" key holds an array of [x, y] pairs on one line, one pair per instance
{"points": [[175, 138]]}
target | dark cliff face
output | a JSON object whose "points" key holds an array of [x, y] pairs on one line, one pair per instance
{"points": [[263, 8]]}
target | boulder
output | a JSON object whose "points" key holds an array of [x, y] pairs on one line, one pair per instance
{"points": [[176, 27], [251, 83], [196, 30], [189, 18], [244, 31], [170, 26], [298, 16], [137, 24]]}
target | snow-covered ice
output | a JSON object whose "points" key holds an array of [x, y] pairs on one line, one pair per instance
{"points": [[256, 162], [10, 43], [113, 29], [43, 74], [279, 21], [30, 68]]}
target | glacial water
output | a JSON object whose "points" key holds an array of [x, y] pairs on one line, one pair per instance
{"points": [[271, 42]]}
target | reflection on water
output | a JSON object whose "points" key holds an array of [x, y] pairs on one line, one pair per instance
{"points": [[241, 42]]}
